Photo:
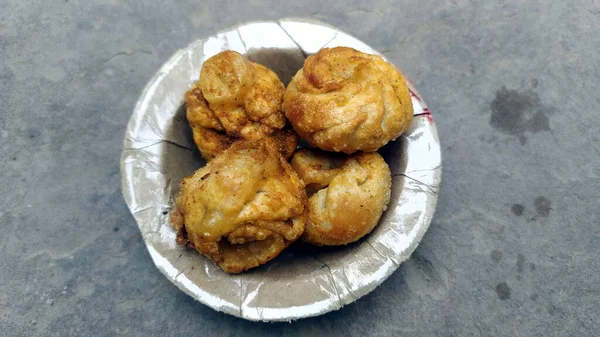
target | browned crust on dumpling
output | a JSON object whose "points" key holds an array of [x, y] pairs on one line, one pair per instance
{"points": [[350, 194], [243, 208], [235, 99], [344, 100]]}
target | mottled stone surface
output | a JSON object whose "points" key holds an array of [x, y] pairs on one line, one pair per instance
{"points": [[512, 251]]}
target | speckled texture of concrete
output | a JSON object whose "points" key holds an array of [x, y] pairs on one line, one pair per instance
{"points": [[513, 249]]}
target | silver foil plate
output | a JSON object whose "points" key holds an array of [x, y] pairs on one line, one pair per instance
{"points": [[304, 280]]}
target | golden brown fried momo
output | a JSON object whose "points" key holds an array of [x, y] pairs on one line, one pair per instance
{"points": [[243, 208], [351, 194], [236, 99], [344, 100]]}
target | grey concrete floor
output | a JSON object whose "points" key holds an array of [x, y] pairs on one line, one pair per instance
{"points": [[513, 249]]}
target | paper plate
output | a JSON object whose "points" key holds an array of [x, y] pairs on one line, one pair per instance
{"points": [[303, 281]]}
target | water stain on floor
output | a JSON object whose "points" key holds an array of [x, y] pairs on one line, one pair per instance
{"points": [[517, 209], [496, 255], [542, 206], [515, 113], [503, 291]]}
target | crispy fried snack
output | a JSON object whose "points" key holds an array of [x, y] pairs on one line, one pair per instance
{"points": [[243, 208], [344, 100], [236, 99], [350, 194]]}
